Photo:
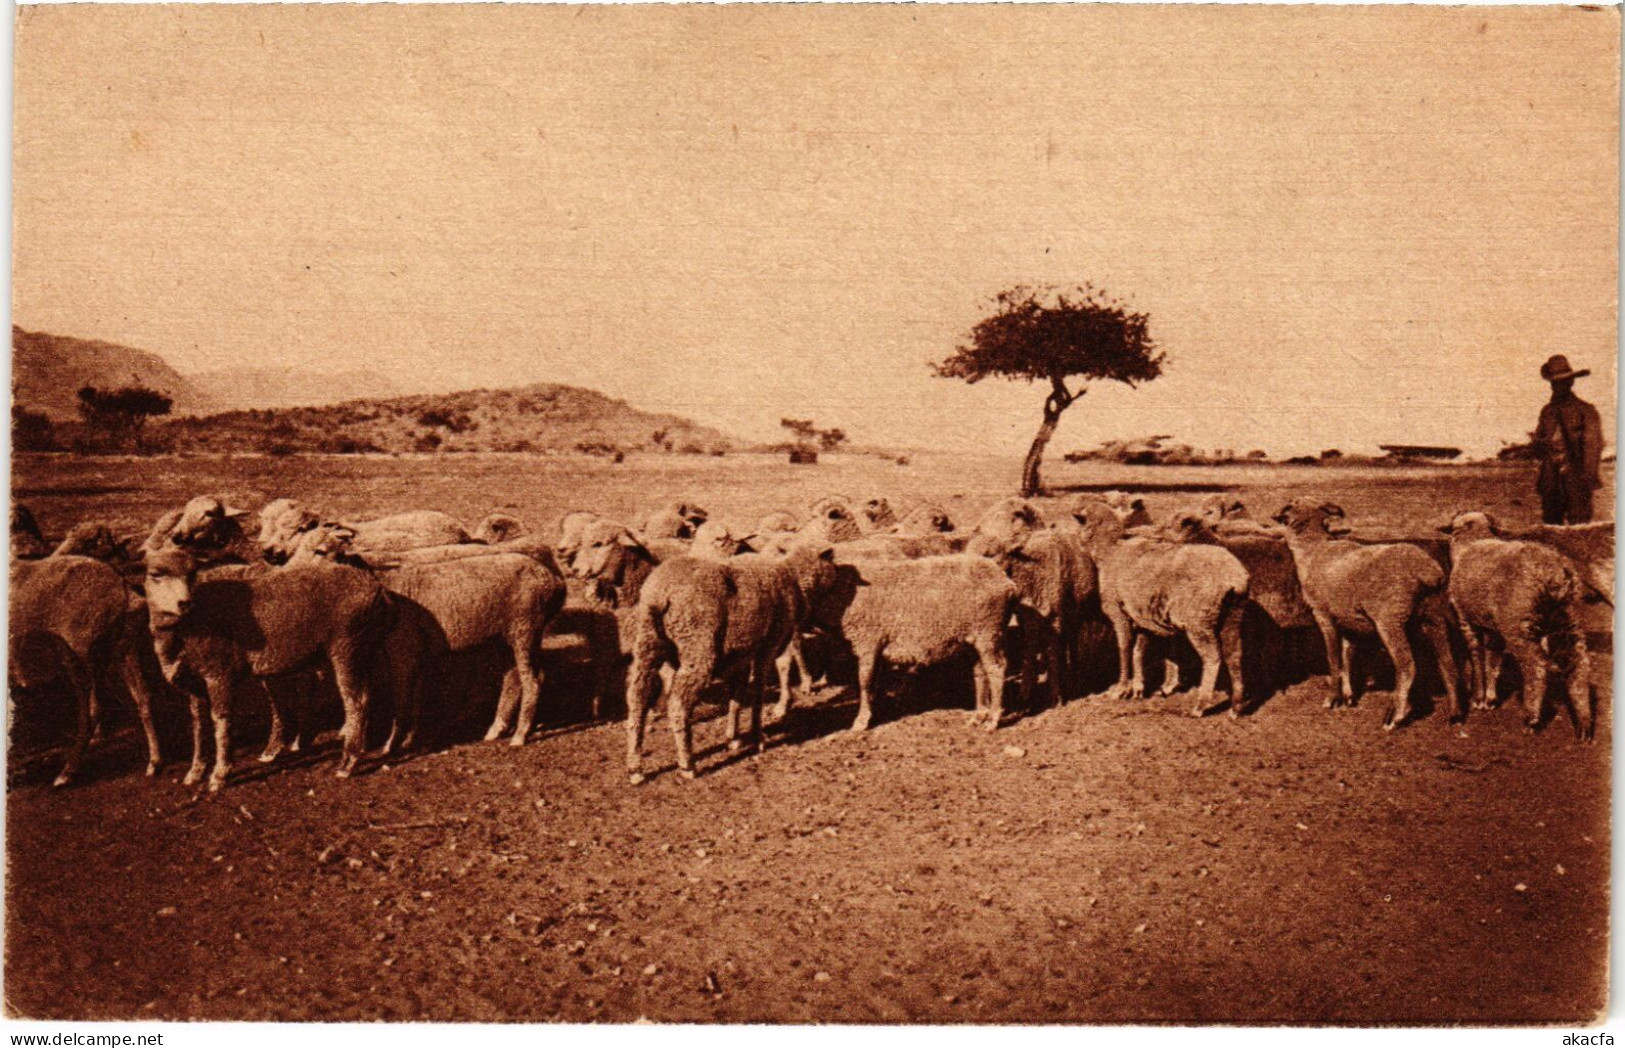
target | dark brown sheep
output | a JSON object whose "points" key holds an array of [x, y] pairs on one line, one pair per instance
{"points": [[210, 633]]}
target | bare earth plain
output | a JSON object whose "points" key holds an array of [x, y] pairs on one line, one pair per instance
{"points": [[1103, 862]]}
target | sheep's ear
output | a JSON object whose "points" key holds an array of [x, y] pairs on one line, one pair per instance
{"points": [[1332, 509], [233, 512]]}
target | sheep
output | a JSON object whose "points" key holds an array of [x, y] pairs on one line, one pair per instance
{"points": [[831, 522], [216, 630], [72, 619], [710, 617], [411, 530], [1356, 589], [496, 529], [676, 521], [1058, 583], [1591, 546], [877, 515], [896, 547], [777, 521], [26, 541], [204, 525], [714, 540], [923, 521], [1006, 522], [456, 605], [283, 520], [1525, 598], [96, 541], [1130, 509], [1151, 587], [920, 612], [1221, 507], [571, 528]]}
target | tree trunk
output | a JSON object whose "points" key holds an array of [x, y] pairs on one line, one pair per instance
{"points": [[1059, 400], [1030, 483]]}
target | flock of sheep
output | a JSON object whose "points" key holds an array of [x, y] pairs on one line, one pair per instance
{"points": [[683, 602]]}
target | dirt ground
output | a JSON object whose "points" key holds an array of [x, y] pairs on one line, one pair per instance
{"points": [[1103, 862]]}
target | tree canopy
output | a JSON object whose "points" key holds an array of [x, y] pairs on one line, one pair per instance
{"points": [[1052, 334], [1041, 333]]}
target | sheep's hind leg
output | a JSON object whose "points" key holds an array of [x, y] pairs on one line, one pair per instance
{"points": [[991, 661], [1579, 688], [135, 682], [1438, 635], [194, 774], [354, 690], [1124, 631], [1137, 687], [1230, 641], [1334, 661], [278, 695], [781, 666], [220, 711], [1391, 631], [1206, 643], [84, 688], [685, 692], [641, 683], [867, 663], [527, 664], [1532, 664]]}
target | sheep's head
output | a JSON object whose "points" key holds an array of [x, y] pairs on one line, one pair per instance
{"points": [[815, 571], [171, 576], [282, 521], [325, 542], [878, 512], [835, 523], [925, 520], [571, 530], [95, 540], [694, 514], [497, 527], [206, 523], [822, 506], [714, 540], [605, 548], [1470, 527], [1305, 516], [668, 524], [1189, 527], [1010, 518], [1223, 507]]}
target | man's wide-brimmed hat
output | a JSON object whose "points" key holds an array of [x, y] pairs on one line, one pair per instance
{"points": [[1557, 368]]}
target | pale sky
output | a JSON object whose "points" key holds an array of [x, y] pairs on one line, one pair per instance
{"points": [[1349, 225]]}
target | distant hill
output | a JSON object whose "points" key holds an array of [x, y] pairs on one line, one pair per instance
{"points": [[49, 370], [542, 417], [284, 387]]}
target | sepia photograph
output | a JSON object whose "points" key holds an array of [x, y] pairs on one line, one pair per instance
{"points": [[877, 514]]}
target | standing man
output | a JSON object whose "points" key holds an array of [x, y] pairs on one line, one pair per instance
{"points": [[1568, 439]]}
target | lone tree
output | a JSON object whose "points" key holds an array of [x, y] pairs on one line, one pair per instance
{"points": [[120, 413], [1052, 334]]}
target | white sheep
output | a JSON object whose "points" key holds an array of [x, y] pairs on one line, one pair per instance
{"points": [[1152, 587], [918, 613], [709, 618], [1356, 589]]}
